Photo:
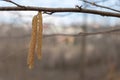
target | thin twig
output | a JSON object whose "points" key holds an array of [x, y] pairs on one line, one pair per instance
{"points": [[49, 13], [94, 4], [18, 5]]}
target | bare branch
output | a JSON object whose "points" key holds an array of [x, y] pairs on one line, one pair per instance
{"points": [[10, 1], [53, 10], [94, 4]]}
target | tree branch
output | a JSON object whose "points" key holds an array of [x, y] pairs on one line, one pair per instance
{"points": [[112, 31], [10, 1], [53, 10], [94, 4], [86, 33]]}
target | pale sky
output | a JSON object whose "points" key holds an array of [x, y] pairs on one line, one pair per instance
{"points": [[59, 18]]}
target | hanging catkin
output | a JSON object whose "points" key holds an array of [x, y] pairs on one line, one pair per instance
{"points": [[30, 61], [36, 37], [39, 34]]}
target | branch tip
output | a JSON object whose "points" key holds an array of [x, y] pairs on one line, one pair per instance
{"points": [[101, 6], [18, 5], [79, 7]]}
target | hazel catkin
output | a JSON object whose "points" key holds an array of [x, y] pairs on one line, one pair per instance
{"points": [[32, 46], [39, 34], [36, 39]]}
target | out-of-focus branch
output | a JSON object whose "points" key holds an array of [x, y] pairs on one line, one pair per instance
{"points": [[85, 33], [94, 4], [112, 31]]}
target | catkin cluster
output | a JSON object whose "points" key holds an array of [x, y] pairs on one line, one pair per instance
{"points": [[36, 39]]}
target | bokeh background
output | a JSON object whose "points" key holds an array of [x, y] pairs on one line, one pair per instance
{"points": [[93, 57]]}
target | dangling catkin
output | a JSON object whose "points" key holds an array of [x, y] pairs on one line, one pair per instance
{"points": [[30, 61], [39, 34], [36, 36]]}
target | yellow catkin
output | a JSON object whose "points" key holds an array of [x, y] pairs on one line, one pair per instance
{"points": [[32, 46], [39, 34]]}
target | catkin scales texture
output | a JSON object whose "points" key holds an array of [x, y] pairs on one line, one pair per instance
{"points": [[30, 61], [36, 39], [39, 35]]}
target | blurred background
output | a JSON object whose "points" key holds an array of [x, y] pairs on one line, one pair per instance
{"points": [[92, 57]]}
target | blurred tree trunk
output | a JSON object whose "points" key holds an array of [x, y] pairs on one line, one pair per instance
{"points": [[83, 48]]}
